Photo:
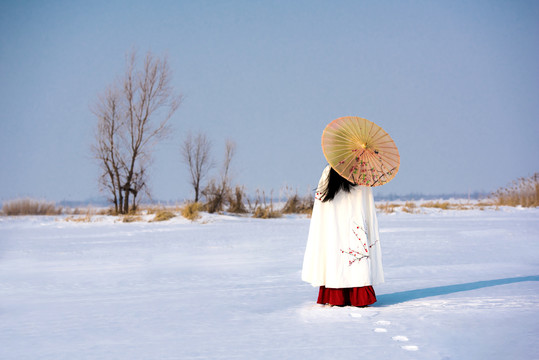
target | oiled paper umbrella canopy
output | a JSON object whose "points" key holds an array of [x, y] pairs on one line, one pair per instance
{"points": [[360, 151]]}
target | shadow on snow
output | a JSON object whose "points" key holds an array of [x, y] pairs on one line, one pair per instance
{"points": [[403, 296]]}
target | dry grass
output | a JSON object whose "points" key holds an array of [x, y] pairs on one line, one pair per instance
{"points": [[163, 215], [307, 205], [235, 201], [445, 205], [484, 204], [106, 211], [157, 208], [150, 210], [260, 209], [131, 218], [79, 219], [76, 215], [29, 206], [191, 211], [216, 196], [387, 208], [298, 205], [523, 192], [266, 213], [410, 207], [481, 205]]}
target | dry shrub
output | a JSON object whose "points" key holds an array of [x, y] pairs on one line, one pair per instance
{"points": [[150, 210], [437, 205], [79, 219], [298, 205], [76, 215], [292, 205], [235, 201], [261, 209], [163, 215], [88, 210], [410, 207], [466, 206], [29, 206], [157, 208], [110, 211], [191, 211], [106, 211], [131, 218], [75, 211], [387, 208], [307, 205], [523, 192], [216, 196], [483, 204], [266, 213]]}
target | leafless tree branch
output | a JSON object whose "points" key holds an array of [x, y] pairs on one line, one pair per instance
{"points": [[133, 116], [196, 154]]}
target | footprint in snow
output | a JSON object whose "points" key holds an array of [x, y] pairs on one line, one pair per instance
{"points": [[367, 314], [370, 314], [400, 338], [404, 339], [381, 323], [410, 347]]}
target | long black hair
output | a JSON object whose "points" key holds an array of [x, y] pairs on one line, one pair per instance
{"points": [[333, 184]]}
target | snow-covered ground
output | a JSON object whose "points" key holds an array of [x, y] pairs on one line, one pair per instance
{"points": [[459, 285]]}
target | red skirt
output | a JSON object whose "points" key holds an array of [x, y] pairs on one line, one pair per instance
{"points": [[357, 296]]}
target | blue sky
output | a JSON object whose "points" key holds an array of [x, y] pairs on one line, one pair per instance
{"points": [[455, 83]]}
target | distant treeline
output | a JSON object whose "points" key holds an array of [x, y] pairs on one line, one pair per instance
{"points": [[378, 197], [419, 196], [523, 192]]}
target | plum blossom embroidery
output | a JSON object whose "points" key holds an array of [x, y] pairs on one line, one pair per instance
{"points": [[364, 244], [358, 255]]}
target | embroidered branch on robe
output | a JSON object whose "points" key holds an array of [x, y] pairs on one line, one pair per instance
{"points": [[357, 256]]}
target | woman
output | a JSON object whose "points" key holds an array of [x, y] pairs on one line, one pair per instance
{"points": [[343, 253]]}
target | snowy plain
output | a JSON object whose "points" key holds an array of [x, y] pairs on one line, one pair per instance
{"points": [[459, 285]]}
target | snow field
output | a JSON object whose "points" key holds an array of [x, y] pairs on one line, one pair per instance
{"points": [[459, 285]]}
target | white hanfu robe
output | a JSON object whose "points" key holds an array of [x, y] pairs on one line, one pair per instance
{"points": [[343, 247]]}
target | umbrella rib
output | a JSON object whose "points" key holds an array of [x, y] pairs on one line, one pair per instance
{"points": [[337, 136], [377, 131]]}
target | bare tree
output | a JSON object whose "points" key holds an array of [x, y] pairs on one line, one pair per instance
{"points": [[139, 185], [230, 150], [218, 191], [107, 146], [133, 117], [196, 154]]}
